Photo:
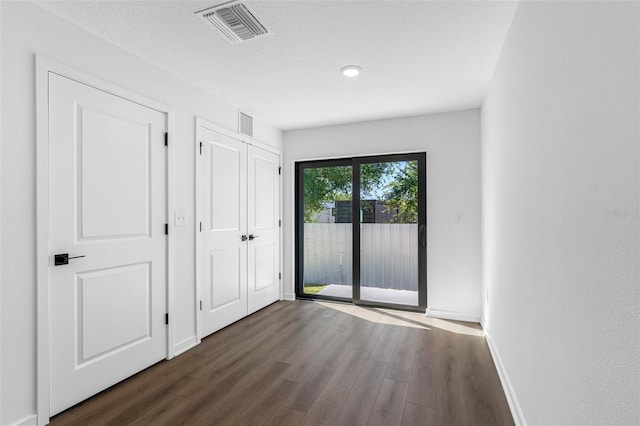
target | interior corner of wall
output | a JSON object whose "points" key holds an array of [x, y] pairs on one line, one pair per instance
{"points": [[289, 296]]}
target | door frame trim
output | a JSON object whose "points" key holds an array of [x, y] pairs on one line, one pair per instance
{"points": [[44, 67], [203, 123]]}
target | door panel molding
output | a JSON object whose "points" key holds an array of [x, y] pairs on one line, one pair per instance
{"points": [[44, 68], [90, 290]]}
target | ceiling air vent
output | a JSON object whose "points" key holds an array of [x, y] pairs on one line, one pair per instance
{"points": [[234, 21], [246, 124]]}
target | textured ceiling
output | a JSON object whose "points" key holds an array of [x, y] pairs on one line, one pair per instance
{"points": [[418, 56]]}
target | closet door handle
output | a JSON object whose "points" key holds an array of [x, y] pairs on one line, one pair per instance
{"points": [[243, 238], [253, 237]]}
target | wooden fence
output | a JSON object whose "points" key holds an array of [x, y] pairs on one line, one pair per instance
{"points": [[388, 254]]}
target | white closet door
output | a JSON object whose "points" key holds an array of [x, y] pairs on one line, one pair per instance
{"points": [[264, 229], [108, 206], [223, 262]]}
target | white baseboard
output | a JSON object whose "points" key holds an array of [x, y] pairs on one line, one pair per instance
{"points": [[288, 296], [31, 420], [514, 405], [184, 345], [452, 315]]}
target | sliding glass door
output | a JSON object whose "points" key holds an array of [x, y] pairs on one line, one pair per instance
{"points": [[326, 229], [361, 230]]}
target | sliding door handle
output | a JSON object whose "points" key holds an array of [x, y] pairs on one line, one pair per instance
{"points": [[422, 235]]}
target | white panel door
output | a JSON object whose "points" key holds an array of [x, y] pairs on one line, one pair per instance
{"points": [[223, 262], [108, 205], [264, 229]]}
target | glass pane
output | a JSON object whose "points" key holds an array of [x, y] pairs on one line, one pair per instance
{"points": [[389, 232], [328, 236]]}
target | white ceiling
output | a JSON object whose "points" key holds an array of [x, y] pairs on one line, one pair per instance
{"points": [[418, 56]]}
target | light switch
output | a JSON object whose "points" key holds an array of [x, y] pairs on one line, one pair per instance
{"points": [[180, 219]]}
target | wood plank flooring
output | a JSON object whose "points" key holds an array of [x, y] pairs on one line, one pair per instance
{"points": [[314, 363]]}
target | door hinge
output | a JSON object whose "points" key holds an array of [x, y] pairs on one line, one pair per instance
{"points": [[279, 170], [280, 223], [166, 229], [200, 148], [201, 305], [166, 318], [279, 275], [166, 139], [200, 226]]}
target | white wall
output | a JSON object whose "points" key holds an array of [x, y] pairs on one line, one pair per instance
{"points": [[452, 143], [26, 30], [560, 207]]}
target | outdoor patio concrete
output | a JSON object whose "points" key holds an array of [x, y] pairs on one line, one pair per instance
{"points": [[384, 295]]}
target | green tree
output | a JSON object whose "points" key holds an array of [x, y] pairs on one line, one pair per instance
{"points": [[324, 184], [401, 192]]}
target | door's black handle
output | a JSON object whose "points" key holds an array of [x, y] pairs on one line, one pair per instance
{"points": [[243, 238], [63, 259], [422, 235], [253, 237]]}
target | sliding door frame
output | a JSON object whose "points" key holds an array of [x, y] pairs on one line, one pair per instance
{"points": [[421, 159], [356, 163], [299, 224]]}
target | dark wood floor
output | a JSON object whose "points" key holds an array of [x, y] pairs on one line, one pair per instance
{"points": [[315, 363]]}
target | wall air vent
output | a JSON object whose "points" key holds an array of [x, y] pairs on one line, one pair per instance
{"points": [[235, 21], [246, 124]]}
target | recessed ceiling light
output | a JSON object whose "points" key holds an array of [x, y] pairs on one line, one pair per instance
{"points": [[350, 70]]}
